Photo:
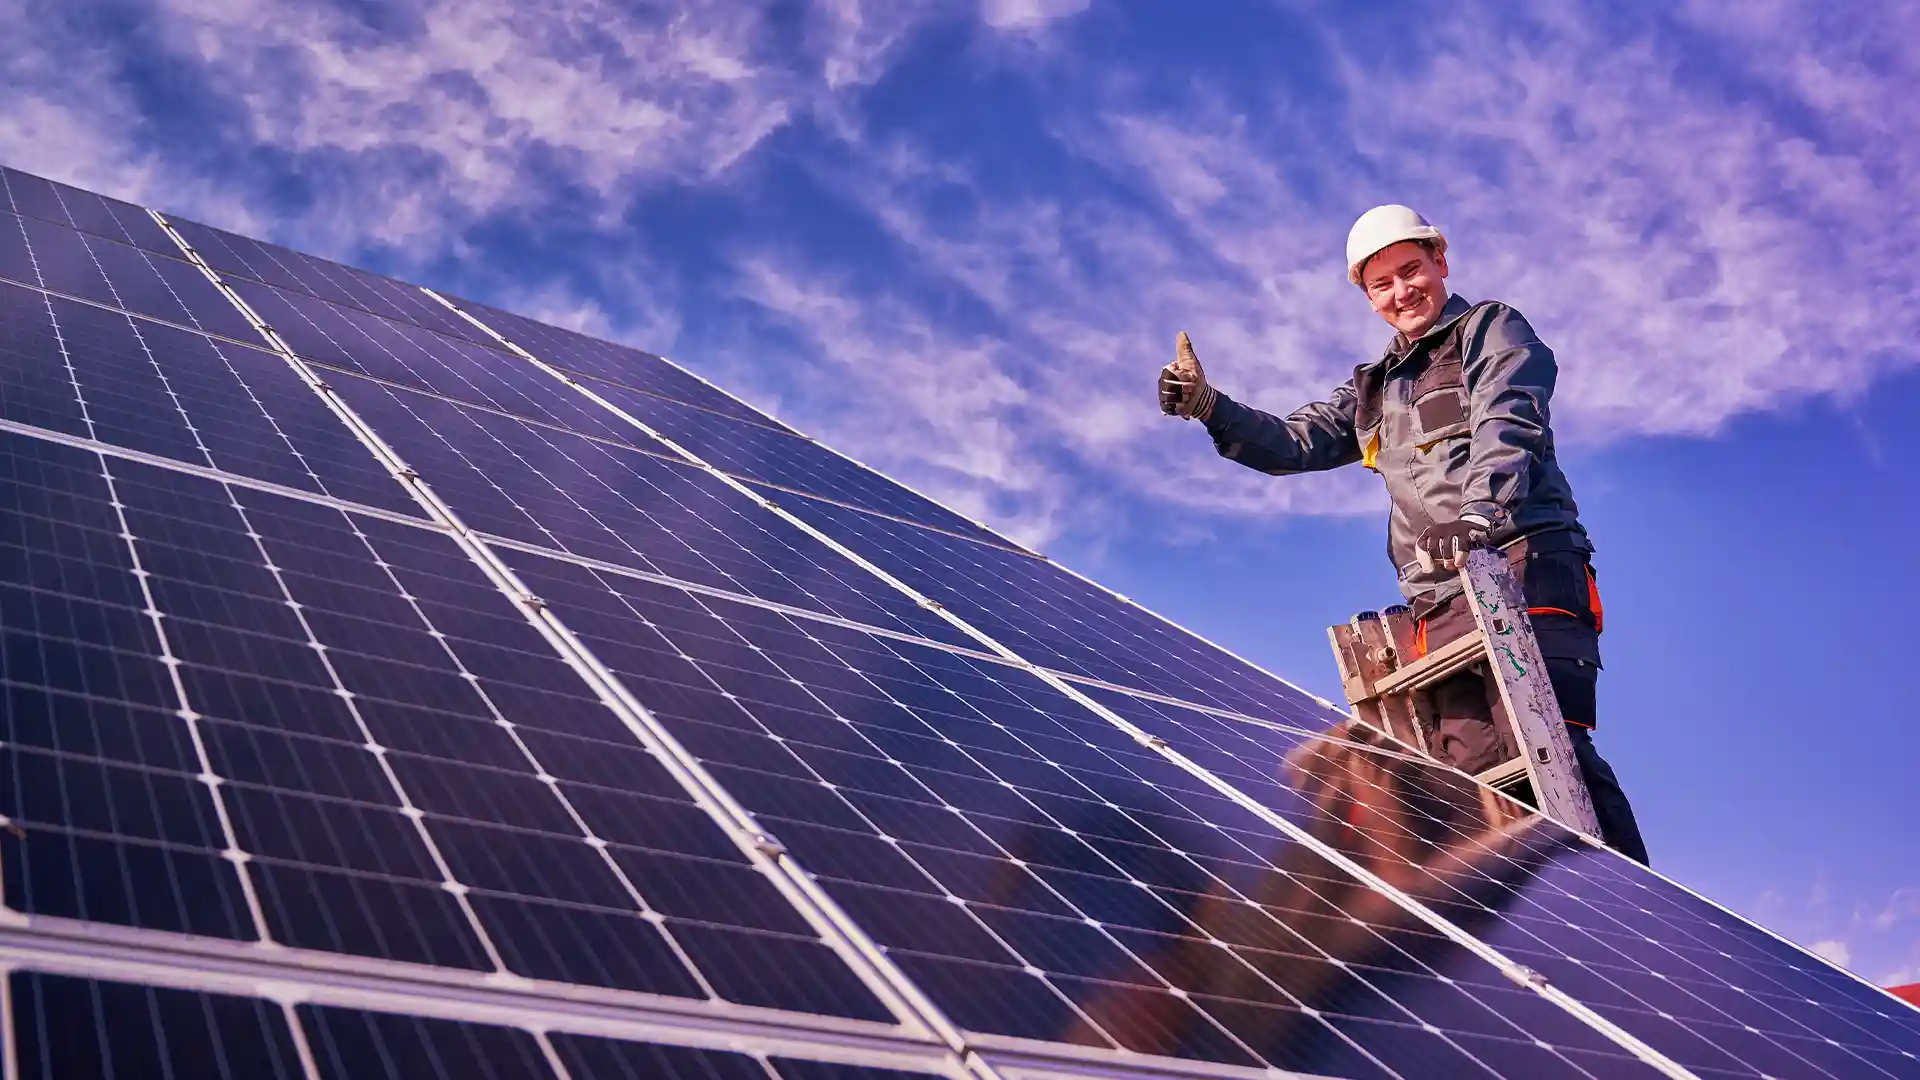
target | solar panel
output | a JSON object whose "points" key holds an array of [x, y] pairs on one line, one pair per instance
{"points": [[553, 489], [777, 459], [378, 703], [1060, 620], [149, 388], [345, 339], [242, 259], [616, 364], [32, 196], [135, 280]]}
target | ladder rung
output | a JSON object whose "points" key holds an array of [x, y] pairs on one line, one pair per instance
{"points": [[1504, 773], [1431, 668]]}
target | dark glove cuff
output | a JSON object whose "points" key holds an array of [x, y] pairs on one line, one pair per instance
{"points": [[1225, 409], [1493, 513]]}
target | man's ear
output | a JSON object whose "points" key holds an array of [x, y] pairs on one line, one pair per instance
{"points": [[1440, 260]]}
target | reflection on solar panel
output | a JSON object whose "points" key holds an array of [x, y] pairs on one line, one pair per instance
{"points": [[397, 687]]}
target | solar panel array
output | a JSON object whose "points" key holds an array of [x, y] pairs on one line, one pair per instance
{"points": [[399, 687]]}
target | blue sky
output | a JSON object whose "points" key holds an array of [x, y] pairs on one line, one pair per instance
{"points": [[955, 238]]}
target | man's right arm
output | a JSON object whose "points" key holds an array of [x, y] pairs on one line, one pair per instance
{"points": [[1312, 438]]}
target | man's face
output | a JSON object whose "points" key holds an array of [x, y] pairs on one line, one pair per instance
{"points": [[1407, 285]]}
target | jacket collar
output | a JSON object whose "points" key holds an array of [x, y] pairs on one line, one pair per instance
{"points": [[1450, 313]]}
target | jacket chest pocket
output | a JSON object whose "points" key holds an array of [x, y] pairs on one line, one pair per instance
{"points": [[1437, 401]]}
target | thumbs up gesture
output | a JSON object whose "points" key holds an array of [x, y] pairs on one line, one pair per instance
{"points": [[1184, 391]]}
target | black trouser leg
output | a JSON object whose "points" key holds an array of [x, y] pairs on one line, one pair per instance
{"points": [[1617, 826], [1574, 686], [1466, 736]]}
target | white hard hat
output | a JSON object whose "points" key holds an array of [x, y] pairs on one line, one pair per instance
{"points": [[1382, 227]]}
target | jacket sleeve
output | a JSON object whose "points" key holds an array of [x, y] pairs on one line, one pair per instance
{"points": [[1312, 438], [1510, 376]]}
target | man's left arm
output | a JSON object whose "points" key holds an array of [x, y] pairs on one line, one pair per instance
{"points": [[1510, 376]]}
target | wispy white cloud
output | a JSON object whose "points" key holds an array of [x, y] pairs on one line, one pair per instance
{"points": [[444, 112], [1903, 906], [647, 311], [1877, 937], [1694, 248], [69, 113], [1833, 949], [886, 376], [1069, 345], [408, 122], [1692, 209], [1028, 14], [856, 41]]}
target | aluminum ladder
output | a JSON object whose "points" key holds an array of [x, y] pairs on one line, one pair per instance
{"points": [[1386, 683]]}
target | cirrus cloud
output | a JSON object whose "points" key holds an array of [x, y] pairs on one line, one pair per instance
{"points": [[971, 259]]}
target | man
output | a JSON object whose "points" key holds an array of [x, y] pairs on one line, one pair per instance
{"points": [[1454, 419]]}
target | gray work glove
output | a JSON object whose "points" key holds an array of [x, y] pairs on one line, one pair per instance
{"points": [[1446, 544], [1184, 391]]}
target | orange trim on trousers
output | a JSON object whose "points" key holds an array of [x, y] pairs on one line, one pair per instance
{"points": [[1593, 599]]}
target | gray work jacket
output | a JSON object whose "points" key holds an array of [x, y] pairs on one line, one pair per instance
{"points": [[1455, 422]]}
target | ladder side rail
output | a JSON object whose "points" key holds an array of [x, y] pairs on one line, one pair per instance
{"points": [[1520, 673]]}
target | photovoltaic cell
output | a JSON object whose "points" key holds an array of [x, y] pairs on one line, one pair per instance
{"points": [[238, 256], [131, 279], [84, 1029], [32, 196], [795, 1069], [88, 372], [590, 1058], [350, 1044], [606, 361], [1060, 621], [1031, 866], [753, 452]]}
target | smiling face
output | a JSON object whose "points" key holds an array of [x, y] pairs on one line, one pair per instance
{"points": [[1407, 285]]}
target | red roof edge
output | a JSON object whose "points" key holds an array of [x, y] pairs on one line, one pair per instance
{"points": [[1910, 992]]}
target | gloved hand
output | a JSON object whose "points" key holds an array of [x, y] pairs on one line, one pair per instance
{"points": [[1446, 544], [1184, 391]]}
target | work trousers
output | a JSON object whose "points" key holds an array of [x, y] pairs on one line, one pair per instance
{"points": [[1467, 736]]}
